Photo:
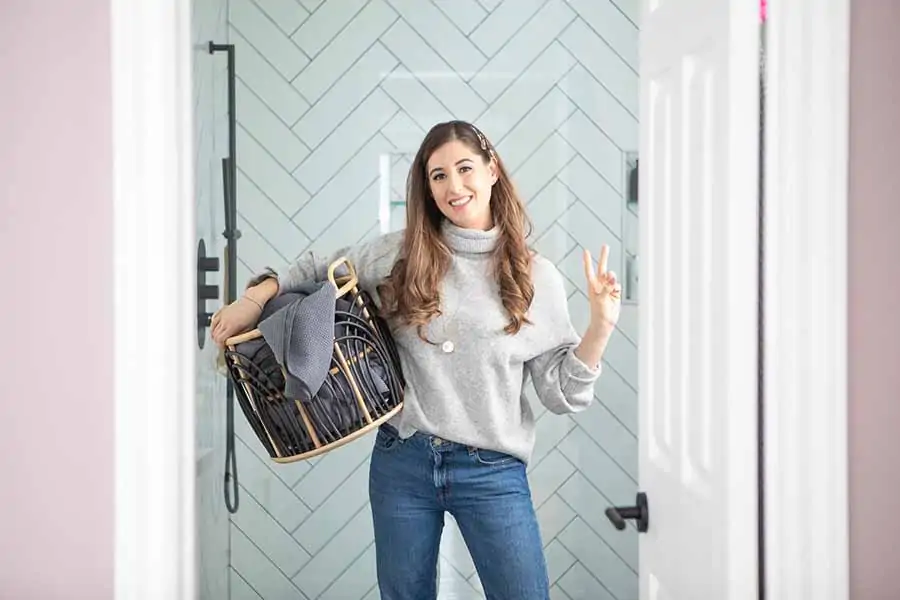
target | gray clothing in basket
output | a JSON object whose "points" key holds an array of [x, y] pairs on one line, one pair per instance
{"points": [[301, 335]]}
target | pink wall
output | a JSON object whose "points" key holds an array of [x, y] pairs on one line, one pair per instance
{"points": [[874, 301], [56, 404]]}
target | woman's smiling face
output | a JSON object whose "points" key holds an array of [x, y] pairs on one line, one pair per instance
{"points": [[460, 182]]}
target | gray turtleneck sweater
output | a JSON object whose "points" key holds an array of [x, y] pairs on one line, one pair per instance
{"points": [[470, 390]]}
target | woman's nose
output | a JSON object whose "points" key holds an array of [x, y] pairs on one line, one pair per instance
{"points": [[456, 183]]}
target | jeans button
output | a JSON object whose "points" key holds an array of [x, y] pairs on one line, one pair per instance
{"points": [[437, 441]]}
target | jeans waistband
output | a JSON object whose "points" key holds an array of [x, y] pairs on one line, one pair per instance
{"points": [[426, 439]]}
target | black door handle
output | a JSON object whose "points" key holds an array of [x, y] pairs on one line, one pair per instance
{"points": [[640, 513]]}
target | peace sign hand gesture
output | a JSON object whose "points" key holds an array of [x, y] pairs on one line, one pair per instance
{"points": [[603, 290]]}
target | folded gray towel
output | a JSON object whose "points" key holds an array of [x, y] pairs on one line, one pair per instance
{"points": [[301, 334]]}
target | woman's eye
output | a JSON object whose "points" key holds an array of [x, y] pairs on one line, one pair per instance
{"points": [[465, 169], [438, 177]]}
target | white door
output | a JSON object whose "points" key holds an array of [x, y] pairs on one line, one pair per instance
{"points": [[698, 320]]}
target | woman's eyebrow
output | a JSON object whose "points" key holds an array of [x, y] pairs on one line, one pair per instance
{"points": [[460, 161]]}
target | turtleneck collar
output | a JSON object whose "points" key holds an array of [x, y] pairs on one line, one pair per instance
{"points": [[471, 241]]}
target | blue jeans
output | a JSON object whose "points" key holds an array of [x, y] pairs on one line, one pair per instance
{"points": [[413, 482]]}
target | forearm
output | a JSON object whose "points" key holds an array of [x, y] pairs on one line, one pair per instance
{"points": [[593, 344], [263, 291]]}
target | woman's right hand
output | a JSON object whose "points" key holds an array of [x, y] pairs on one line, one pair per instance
{"points": [[236, 318]]}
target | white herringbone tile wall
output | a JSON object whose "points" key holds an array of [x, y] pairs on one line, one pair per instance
{"points": [[334, 97]]}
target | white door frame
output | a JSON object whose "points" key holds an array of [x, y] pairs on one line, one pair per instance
{"points": [[805, 361], [805, 354], [155, 309]]}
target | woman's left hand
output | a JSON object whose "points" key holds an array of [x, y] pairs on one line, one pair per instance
{"points": [[603, 290]]}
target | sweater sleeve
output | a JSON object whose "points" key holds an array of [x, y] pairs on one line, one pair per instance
{"points": [[372, 260], [562, 381]]}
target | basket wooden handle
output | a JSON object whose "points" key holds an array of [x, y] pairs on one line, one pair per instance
{"points": [[350, 283]]}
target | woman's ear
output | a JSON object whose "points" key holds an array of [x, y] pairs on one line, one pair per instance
{"points": [[494, 171]]}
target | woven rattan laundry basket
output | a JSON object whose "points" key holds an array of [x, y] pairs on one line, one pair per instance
{"points": [[365, 378]]}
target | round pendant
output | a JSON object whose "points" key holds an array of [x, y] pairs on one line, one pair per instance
{"points": [[447, 347]]}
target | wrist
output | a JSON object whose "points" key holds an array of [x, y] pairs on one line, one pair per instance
{"points": [[601, 330], [253, 301], [262, 292]]}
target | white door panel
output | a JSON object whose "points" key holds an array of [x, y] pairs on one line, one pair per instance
{"points": [[698, 336]]}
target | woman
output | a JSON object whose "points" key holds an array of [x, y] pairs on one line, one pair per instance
{"points": [[474, 314]]}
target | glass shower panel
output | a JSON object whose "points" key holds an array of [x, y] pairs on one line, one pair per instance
{"points": [[210, 115], [334, 98]]}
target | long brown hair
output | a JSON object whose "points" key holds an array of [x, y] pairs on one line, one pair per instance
{"points": [[411, 293]]}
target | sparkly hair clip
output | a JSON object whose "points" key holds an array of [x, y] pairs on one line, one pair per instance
{"points": [[484, 143]]}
